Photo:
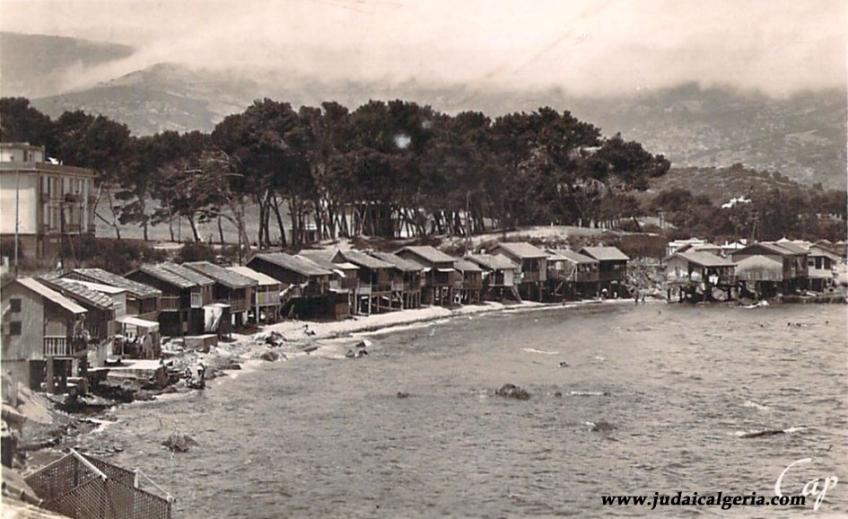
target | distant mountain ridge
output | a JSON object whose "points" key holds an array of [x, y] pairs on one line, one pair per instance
{"points": [[34, 65], [802, 136]]}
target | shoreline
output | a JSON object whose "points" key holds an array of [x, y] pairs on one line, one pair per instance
{"points": [[245, 352]]}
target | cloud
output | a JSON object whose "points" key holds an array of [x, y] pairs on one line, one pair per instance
{"points": [[583, 47]]}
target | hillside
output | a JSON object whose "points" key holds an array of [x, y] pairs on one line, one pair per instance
{"points": [[802, 136], [722, 184], [33, 65]]}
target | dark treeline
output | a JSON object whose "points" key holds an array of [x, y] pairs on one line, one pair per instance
{"points": [[391, 168], [383, 168]]}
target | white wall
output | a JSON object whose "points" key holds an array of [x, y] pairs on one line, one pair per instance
{"points": [[27, 205]]}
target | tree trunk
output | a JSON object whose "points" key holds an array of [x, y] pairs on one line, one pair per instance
{"points": [[114, 215], [276, 206], [191, 222]]}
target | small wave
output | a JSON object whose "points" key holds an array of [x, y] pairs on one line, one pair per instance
{"points": [[588, 393], [101, 424], [756, 405], [768, 432], [543, 352]]}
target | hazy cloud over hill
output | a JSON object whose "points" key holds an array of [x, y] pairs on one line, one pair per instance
{"points": [[582, 47]]}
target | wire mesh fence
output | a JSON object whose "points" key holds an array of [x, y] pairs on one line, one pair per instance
{"points": [[83, 487]]}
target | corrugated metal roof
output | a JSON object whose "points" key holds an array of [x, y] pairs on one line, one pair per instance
{"points": [[187, 273], [79, 292], [464, 265], [604, 253], [301, 266], [759, 268], [99, 287], [522, 249], [492, 262], [705, 259], [51, 295], [793, 248], [221, 274], [575, 257], [364, 260], [134, 288], [398, 262], [259, 277], [323, 259], [167, 276], [818, 250], [429, 253], [771, 248]]}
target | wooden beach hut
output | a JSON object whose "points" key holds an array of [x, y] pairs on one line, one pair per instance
{"points": [[612, 269], [532, 267], [696, 274], [792, 258], [306, 291], [266, 296], [374, 289], [184, 294], [142, 300], [405, 280], [441, 281], [230, 288], [498, 276], [42, 334], [472, 281]]}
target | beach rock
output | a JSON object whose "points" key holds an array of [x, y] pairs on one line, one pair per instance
{"points": [[230, 365], [558, 394], [275, 339], [512, 391], [270, 356], [601, 426], [178, 442]]}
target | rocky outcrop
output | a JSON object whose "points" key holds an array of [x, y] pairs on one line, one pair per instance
{"points": [[513, 391], [270, 356], [178, 442]]}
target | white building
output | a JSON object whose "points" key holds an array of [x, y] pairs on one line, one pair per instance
{"points": [[45, 204]]}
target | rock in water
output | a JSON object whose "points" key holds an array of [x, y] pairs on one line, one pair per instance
{"points": [[270, 356], [178, 442], [513, 391], [601, 426], [401, 394]]}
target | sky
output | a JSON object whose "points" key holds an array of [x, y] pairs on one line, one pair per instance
{"points": [[580, 46]]}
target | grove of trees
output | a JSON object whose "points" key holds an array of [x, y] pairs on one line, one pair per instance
{"points": [[383, 169], [379, 169]]}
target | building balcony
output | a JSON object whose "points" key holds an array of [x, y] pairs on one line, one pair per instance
{"points": [[531, 276], [169, 303], [57, 346], [268, 298]]}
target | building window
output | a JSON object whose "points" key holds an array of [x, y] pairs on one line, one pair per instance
{"points": [[15, 328], [15, 304]]}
